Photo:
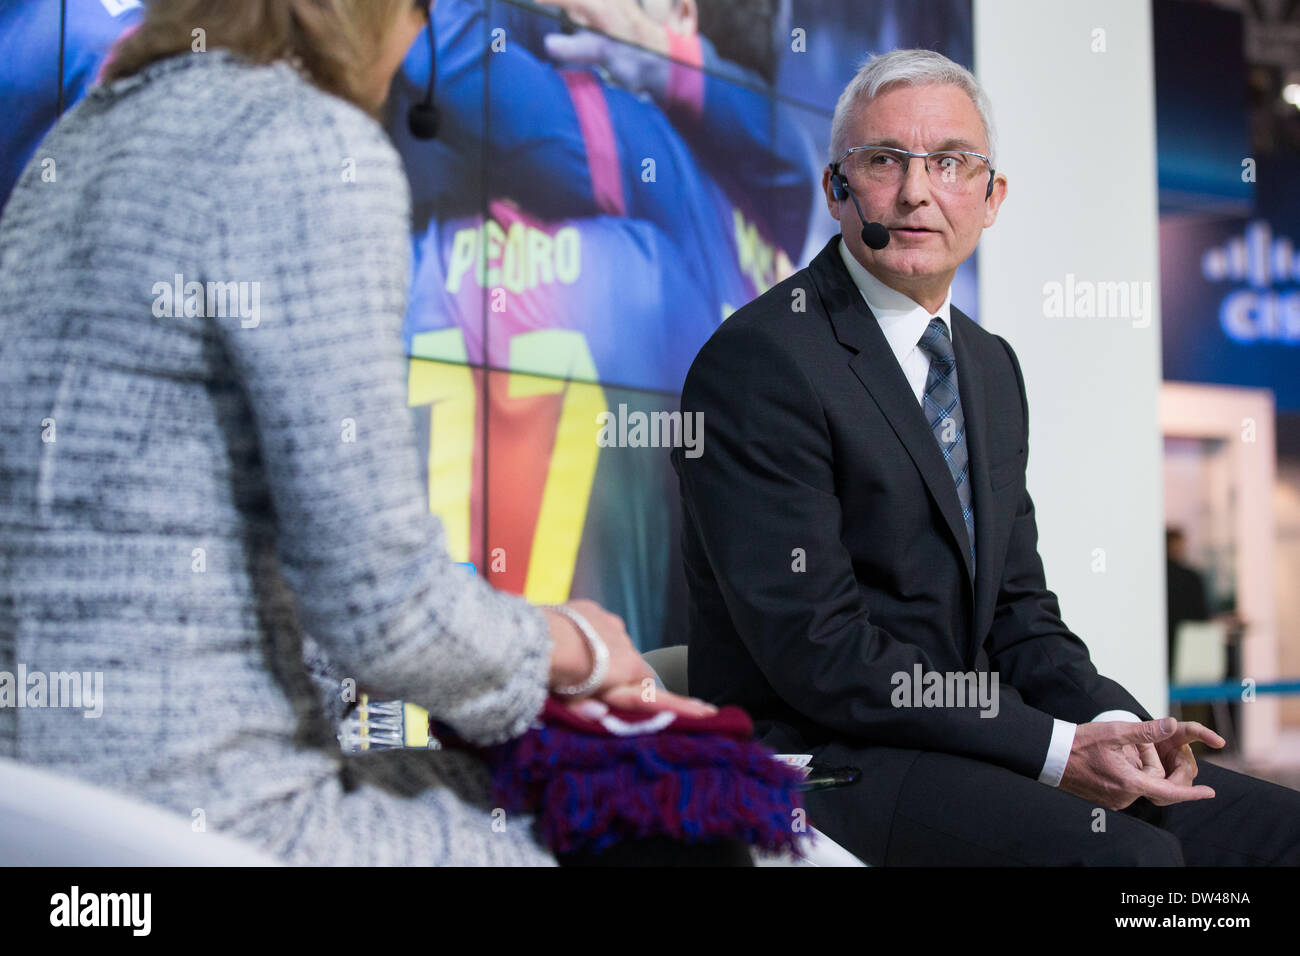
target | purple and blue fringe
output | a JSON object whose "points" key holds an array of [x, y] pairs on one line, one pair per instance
{"points": [[590, 792]]}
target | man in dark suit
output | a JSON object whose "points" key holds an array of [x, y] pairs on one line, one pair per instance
{"points": [[861, 549]]}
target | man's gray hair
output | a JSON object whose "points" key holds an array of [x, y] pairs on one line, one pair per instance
{"points": [[880, 73]]}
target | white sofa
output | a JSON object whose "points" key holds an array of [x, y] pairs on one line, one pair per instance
{"points": [[49, 819]]}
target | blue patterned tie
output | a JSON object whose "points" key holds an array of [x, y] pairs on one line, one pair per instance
{"points": [[942, 406]]}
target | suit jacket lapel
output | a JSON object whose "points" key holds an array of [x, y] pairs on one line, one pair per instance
{"points": [[875, 366]]}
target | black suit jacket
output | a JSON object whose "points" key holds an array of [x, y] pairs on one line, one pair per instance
{"points": [[815, 445]]}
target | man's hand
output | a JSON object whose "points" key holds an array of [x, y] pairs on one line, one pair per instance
{"points": [[1145, 758], [1177, 760], [1102, 768]]}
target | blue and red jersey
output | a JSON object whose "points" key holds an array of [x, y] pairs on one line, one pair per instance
{"points": [[34, 90]]}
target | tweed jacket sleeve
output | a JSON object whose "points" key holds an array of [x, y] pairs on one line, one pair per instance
{"points": [[315, 213]]}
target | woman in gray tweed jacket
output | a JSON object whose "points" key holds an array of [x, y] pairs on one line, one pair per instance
{"points": [[198, 502]]}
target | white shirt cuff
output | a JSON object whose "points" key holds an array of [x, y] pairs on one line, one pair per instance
{"points": [[1058, 752], [1117, 715], [1058, 749]]}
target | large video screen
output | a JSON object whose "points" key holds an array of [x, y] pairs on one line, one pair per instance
{"points": [[600, 197]]}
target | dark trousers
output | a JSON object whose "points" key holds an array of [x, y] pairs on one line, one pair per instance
{"points": [[954, 811]]}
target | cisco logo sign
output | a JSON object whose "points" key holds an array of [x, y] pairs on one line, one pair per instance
{"points": [[1266, 311]]}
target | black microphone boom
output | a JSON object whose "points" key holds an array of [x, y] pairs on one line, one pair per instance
{"points": [[874, 235]]}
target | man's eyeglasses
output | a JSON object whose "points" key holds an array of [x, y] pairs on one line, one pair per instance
{"points": [[950, 170]]}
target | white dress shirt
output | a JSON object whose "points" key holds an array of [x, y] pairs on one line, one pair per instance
{"points": [[904, 321]]}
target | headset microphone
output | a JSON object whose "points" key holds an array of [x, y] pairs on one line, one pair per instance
{"points": [[422, 117], [874, 235]]}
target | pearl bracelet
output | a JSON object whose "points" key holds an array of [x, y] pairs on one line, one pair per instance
{"points": [[599, 654]]}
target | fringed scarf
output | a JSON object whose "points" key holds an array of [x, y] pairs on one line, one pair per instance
{"points": [[593, 781]]}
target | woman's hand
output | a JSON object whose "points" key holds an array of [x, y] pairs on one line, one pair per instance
{"points": [[629, 683]]}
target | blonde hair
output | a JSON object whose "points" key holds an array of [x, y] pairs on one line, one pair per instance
{"points": [[334, 41]]}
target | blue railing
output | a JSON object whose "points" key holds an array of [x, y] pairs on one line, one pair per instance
{"points": [[1196, 693]]}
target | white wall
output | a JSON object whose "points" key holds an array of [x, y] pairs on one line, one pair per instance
{"points": [[1076, 138]]}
